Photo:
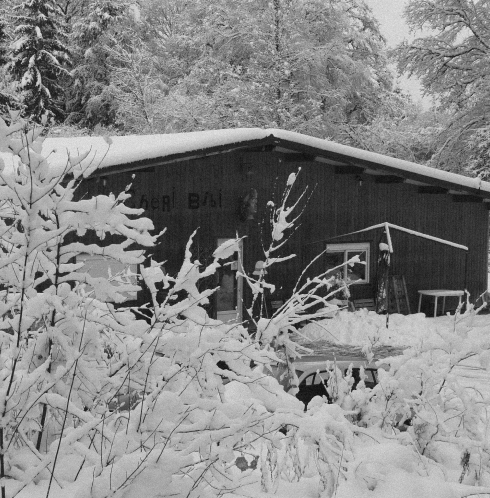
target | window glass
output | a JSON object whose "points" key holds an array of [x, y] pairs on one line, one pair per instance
{"points": [[101, 266], [308, 381], [371, 375], [334, 260], [321, 377], [341, 253], [356, 271], [226, 295]]}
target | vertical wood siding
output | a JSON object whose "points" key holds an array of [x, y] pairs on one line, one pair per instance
{"points": [[204, 194]]}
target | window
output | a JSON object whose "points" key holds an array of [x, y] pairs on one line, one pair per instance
{"points": [[354, 273], [99, 266]]}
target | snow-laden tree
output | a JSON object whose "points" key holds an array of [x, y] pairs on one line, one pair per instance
{"points": [[8, 98], [307, 66], [452, 62], [40, 58], [428, 386], [402, 130], [68, 355], [73, 9], [99, 401], [3, 37], [90, 99], [50, 328]]}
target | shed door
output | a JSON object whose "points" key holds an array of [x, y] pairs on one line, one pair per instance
{"points": [[230, 292]]}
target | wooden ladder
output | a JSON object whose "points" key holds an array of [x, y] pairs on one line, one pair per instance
{"points": [[398, 296]]}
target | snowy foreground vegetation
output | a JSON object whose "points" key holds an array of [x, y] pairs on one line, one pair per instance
{"points": [[68, 356]]}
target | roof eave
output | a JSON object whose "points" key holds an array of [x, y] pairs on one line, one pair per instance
{"points": [[391, 170], [271, 140]]}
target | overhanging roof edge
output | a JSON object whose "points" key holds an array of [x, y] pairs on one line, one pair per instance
{"points": [[182, 156], [134, 152], [425, 174]]}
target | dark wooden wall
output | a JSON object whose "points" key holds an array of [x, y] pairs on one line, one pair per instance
{"points": [[205, 193]]}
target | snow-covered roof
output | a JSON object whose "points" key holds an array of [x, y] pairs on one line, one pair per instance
{"points": [[134, 151], [138, 148]]}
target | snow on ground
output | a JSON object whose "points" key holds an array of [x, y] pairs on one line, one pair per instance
{"points": [[350, 331], [355, 329], [399, 470], [390, 470]]}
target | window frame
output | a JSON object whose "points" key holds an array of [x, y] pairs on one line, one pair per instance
{"points": [[347, 247]]}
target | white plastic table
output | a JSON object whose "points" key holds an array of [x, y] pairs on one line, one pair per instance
{"points": [[440, 293]]}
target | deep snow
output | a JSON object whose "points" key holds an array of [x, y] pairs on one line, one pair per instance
{"points": [[399, 471]]}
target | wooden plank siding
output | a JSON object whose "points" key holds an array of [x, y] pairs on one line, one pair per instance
{"points": [[204, 194]]}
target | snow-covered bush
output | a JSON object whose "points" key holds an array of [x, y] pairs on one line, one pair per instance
{"points": [[198, 406], [67, 354], [309, 298], [53, 366], [430, 391]]}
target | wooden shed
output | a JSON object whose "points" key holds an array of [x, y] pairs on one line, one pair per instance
{"points": [[203, 180]]}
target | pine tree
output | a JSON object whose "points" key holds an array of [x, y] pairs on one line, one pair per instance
{"points": [[7, 99], [89, 100], [3, 39], [40, 58]]}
